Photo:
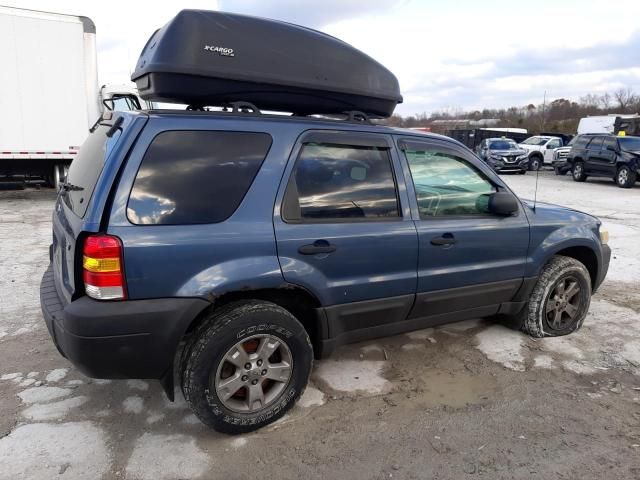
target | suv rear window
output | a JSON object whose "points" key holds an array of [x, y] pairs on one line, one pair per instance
{"points": [[193, 177], [86, 168]]}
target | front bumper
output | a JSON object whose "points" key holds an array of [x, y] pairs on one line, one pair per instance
{"points": [[124, 339], [604, 267], [562, 166], [500, 166]]}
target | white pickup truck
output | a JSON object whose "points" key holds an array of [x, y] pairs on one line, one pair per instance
{"points": [[541, 150]]}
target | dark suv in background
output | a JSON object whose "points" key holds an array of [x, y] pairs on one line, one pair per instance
{"points": [[504, 155], [615, 157]]}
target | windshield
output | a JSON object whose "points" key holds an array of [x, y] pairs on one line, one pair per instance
{"points": [[631, 144], [535, 141], [503, 145]]}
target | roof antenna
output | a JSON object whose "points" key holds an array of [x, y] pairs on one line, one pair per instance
{"points": [[535, 193]]}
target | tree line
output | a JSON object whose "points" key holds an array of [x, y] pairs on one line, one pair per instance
{"points": [[560, 115]]}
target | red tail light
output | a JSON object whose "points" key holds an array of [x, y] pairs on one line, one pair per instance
{"points": [[102, 268]]}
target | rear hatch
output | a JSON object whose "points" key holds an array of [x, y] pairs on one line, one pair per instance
{"points": [[75, 209]]}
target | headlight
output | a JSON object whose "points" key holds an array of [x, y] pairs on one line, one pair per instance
{"points": [[495, 157], [604, 235]]}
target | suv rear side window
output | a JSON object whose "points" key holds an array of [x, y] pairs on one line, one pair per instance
{"points": [[332, 182], [581, 141], [86, 168], [192, 177]]}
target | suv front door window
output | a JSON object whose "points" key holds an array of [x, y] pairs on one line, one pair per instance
{"points": [[465, 252]]}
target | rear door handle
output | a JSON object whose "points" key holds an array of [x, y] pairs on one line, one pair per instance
{"points": [[319, 246], [446, 239]]}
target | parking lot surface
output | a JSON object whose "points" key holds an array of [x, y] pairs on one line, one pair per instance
{"points": [[472, 399]]}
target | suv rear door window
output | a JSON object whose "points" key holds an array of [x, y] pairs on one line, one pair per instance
{"points": [[194, 177], [610, 142], [332, 182], [86, 168]]}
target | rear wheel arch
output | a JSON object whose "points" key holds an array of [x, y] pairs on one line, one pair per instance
{"points": [[296, 300]]}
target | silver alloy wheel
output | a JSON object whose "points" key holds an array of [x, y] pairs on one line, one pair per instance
{"points": [[253, 373], [577, 170], [563, 304], [623, 176]]}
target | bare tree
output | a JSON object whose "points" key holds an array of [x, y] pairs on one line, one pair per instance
{"points": [[624, 97], [605, 101], [590, 100]]}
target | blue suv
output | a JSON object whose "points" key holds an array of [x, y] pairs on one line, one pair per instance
{"points": [[234, 248]]}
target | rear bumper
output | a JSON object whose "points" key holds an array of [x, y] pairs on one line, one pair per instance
{"points": [[128, 339]]}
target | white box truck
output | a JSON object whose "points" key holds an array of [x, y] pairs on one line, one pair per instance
{"points": [[49, 92]]}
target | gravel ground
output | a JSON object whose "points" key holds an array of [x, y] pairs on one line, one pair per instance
{"points": [[471, 399]]}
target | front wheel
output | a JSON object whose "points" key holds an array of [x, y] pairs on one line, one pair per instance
{"points": [[625, 177], [245, 366], [577, 172], [559, 301], [535, 163]]}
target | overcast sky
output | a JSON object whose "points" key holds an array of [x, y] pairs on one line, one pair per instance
{"points": [[455, 54]]}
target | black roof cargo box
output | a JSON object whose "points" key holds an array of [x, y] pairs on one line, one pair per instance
{"points": [[205, 58]]}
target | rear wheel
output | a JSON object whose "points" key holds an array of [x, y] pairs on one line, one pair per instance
{"points": [[245, 366], [559, 301], [625, 177], [577, 172]]}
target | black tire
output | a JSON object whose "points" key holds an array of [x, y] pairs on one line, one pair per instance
{"points": [[577, 172], [220, 331], [625, 177], [535, 163], [521, 172], [557, 171], [534, 319]]}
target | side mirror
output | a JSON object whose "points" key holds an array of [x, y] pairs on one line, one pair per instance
{"points": [[503, 203], [549, 146]]}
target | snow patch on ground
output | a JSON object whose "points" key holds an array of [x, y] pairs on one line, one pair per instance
{"points": [[166, 457], [503, 346], [423, 334], [40, 451], [43, 394], [631, 352], [155, 417], [191, 420], [239, 442], [564, 346], [354, 375], [10, 376], [138, 385], [133, 404], [53, 411], [407, 347], [543, 361], [579, 367], [371, 348], [311, 397], [57, 375], [27, 382]]}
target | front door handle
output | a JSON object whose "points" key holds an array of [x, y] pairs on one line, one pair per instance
{"points": [[319, 246], [446, 239]]}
